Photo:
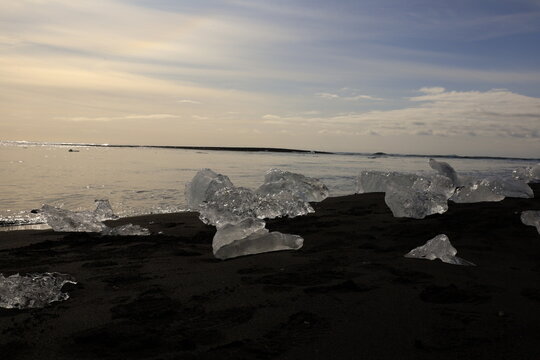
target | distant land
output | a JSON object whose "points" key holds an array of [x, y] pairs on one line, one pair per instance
{"points": [[260, 149]]}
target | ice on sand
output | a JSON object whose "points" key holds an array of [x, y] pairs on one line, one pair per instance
{"points": [[32, 290], [63, 220], [303, 187], [237, 212], [426, 196], [444, 169], [532, 218], [438, 248], [205, 183], [491, 189], [250, 237], [528, 174], [378, 181]]}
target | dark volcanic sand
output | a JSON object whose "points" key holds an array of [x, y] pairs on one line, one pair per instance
{"points": [[347, 294]]}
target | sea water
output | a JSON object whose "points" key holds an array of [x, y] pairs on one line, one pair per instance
{"points": [[141, 180]]}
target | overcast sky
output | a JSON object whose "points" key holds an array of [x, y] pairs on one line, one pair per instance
{"points": [[435, 77]]}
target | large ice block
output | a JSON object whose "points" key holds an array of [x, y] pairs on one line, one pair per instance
{"points": [[66, 220], [528, 174], [229, 233], [426, 196], [532, 218], [306, 188], [377, 181], [438, 248], [32, 290], [228, 205], [260, 241], [491, 189], [444, 169], [203, 185], [278, 204]]}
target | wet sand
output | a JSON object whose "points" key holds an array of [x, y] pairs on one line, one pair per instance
{"points": [[347, 294]]}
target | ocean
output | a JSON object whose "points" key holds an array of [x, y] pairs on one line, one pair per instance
{"points": [[143, 180]]}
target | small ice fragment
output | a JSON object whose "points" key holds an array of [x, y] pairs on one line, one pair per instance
{"points": [[444, 169], [32, 290], [529, 174], [532, 218], [205, 183], [126, 230], [426, 196], [260, 241], [104, 211], [66, 220], [438, 248], [306, 188]]}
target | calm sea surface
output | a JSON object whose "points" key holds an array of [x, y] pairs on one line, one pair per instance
{"points": [[148, 180]]}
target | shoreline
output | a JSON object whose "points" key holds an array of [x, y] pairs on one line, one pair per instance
{"points": [[348, 293]]}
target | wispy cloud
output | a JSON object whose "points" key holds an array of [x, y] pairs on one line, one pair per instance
{"points": [[188, 101], [123, 117]]}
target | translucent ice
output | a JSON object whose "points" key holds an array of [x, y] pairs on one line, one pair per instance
{"points": [[444, 169], [303, 187], [528, 174], [259, 241], [32, 290], [426, 196], [377, 181], [491, 189], [205, 183], [126, 230], [66, 220], [532, 218], [86, 221], [229, 233], [282, 203], [438, 248], [104, 211], [228, 205]]}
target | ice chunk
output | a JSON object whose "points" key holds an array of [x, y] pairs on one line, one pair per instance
{"points": [[377, 181], [444, 169], [438, 248], [66, 220], [205, 183], [259, 241], [491, 189], [532, 218], [306, 188], [126, 230], [104, 211], [229, 233], [32, 290], [283, 203], [528, 174], [228, 205], [426, 196]]}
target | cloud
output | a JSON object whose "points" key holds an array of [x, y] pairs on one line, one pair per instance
{"points": [[325, 95], [432, 90], [493, 113], [188, 101], [124, 117], [347, 95]]}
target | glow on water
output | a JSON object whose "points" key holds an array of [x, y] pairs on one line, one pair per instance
{"points": [[148, 180]]}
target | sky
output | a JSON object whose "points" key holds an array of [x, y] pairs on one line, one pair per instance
{"points": [[424, 77]]}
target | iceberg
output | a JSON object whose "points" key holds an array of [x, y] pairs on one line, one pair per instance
{"points": [[426, 196], [33, 290], [205, 183], [438, 248], [532, 218]]}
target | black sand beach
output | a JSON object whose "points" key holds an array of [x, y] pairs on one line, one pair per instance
{"points": [[347, 294]]}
